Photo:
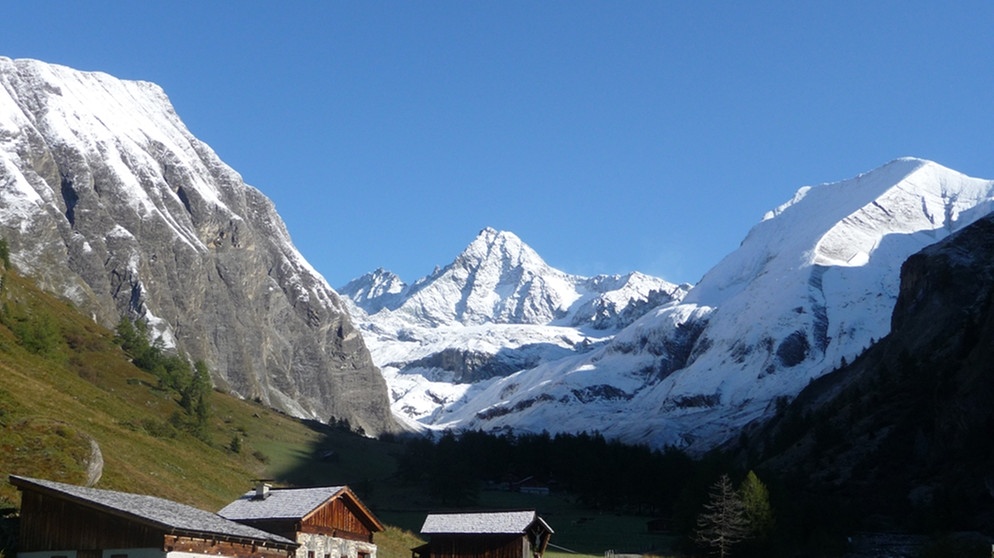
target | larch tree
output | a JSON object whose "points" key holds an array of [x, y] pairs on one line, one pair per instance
{"points": [[723, 523], [756, 500]]}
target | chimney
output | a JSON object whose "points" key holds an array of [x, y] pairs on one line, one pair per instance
{"points": [[261, 489]]}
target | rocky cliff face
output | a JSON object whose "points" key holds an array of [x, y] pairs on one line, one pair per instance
{"points": [[107, 199]]}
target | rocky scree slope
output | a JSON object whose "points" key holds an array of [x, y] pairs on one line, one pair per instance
{"points": [[107, 199]]}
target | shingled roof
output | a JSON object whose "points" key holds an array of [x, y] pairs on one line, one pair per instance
{"points": [[493, 523], [150, 510], [284, 503], [291, 503]]}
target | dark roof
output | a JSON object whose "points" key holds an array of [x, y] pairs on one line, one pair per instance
{"points": [[157, 512], [503, 523], [291, 503]]}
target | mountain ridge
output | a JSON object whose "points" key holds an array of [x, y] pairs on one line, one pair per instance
{"points": [[810, 287], [902, 432]]}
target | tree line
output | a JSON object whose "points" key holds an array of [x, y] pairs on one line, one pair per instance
{"points": [[604, 475]]}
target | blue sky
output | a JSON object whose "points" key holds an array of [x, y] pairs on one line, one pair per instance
{"points": [[609, 136]]}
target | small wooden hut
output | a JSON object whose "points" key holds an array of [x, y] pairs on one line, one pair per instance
{"points": [[509, 534], [327, 522], [67, 521]]}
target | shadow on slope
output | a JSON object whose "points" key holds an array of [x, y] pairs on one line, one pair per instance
{"points": [[903, 434]]}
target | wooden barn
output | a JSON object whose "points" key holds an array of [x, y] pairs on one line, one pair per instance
{"points": [[327, 522], [66, 521], [511, 534]]}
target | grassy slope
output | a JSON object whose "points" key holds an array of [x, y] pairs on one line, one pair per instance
{"points": [[84, 387], [53, 404]]}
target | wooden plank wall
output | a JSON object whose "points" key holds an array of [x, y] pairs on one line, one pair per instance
{"points": [[49, 523], [338, 519], [54, 524], [479, 546]]}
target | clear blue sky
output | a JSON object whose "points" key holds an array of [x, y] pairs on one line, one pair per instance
{"points": [[609, 136]]}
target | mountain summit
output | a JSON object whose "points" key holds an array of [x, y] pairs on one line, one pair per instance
{"points": [[496, 279], [107, 199], [809, 289], [497, 309]]}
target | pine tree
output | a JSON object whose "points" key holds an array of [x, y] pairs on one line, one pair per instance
{"points": [[723, 522], [200, 389]]}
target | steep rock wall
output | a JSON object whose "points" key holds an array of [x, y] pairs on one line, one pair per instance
{"points": [[107, 199]]}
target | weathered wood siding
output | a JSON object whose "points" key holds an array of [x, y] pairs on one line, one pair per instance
{"points": [[54, 524], [479, 546], [51, 524], [339, 519]]}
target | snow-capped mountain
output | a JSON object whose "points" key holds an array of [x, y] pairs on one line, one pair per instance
{"points": [[498, 308], [107, 198], [498, 279], [810, 287]]}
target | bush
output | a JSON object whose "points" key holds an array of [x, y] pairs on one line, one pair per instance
{"points": [[4, 253], [159, 429], [35, 329], [261, 457], [174, 372]]}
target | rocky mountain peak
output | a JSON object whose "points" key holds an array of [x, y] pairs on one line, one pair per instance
{"points": [[375, 290], [496, 279], [500, 250], [497, 309], [107, 199]]}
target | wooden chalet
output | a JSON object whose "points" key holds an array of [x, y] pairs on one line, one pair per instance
{"points": [[327, 522], [513, 534], [67, 521]]}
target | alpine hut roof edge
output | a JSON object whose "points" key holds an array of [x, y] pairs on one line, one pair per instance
{"points": [[292, 503], [505, 522]]}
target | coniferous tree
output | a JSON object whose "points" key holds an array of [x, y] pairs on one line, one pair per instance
{"points": [[756, 500], [723, 522], [196, 396]]}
